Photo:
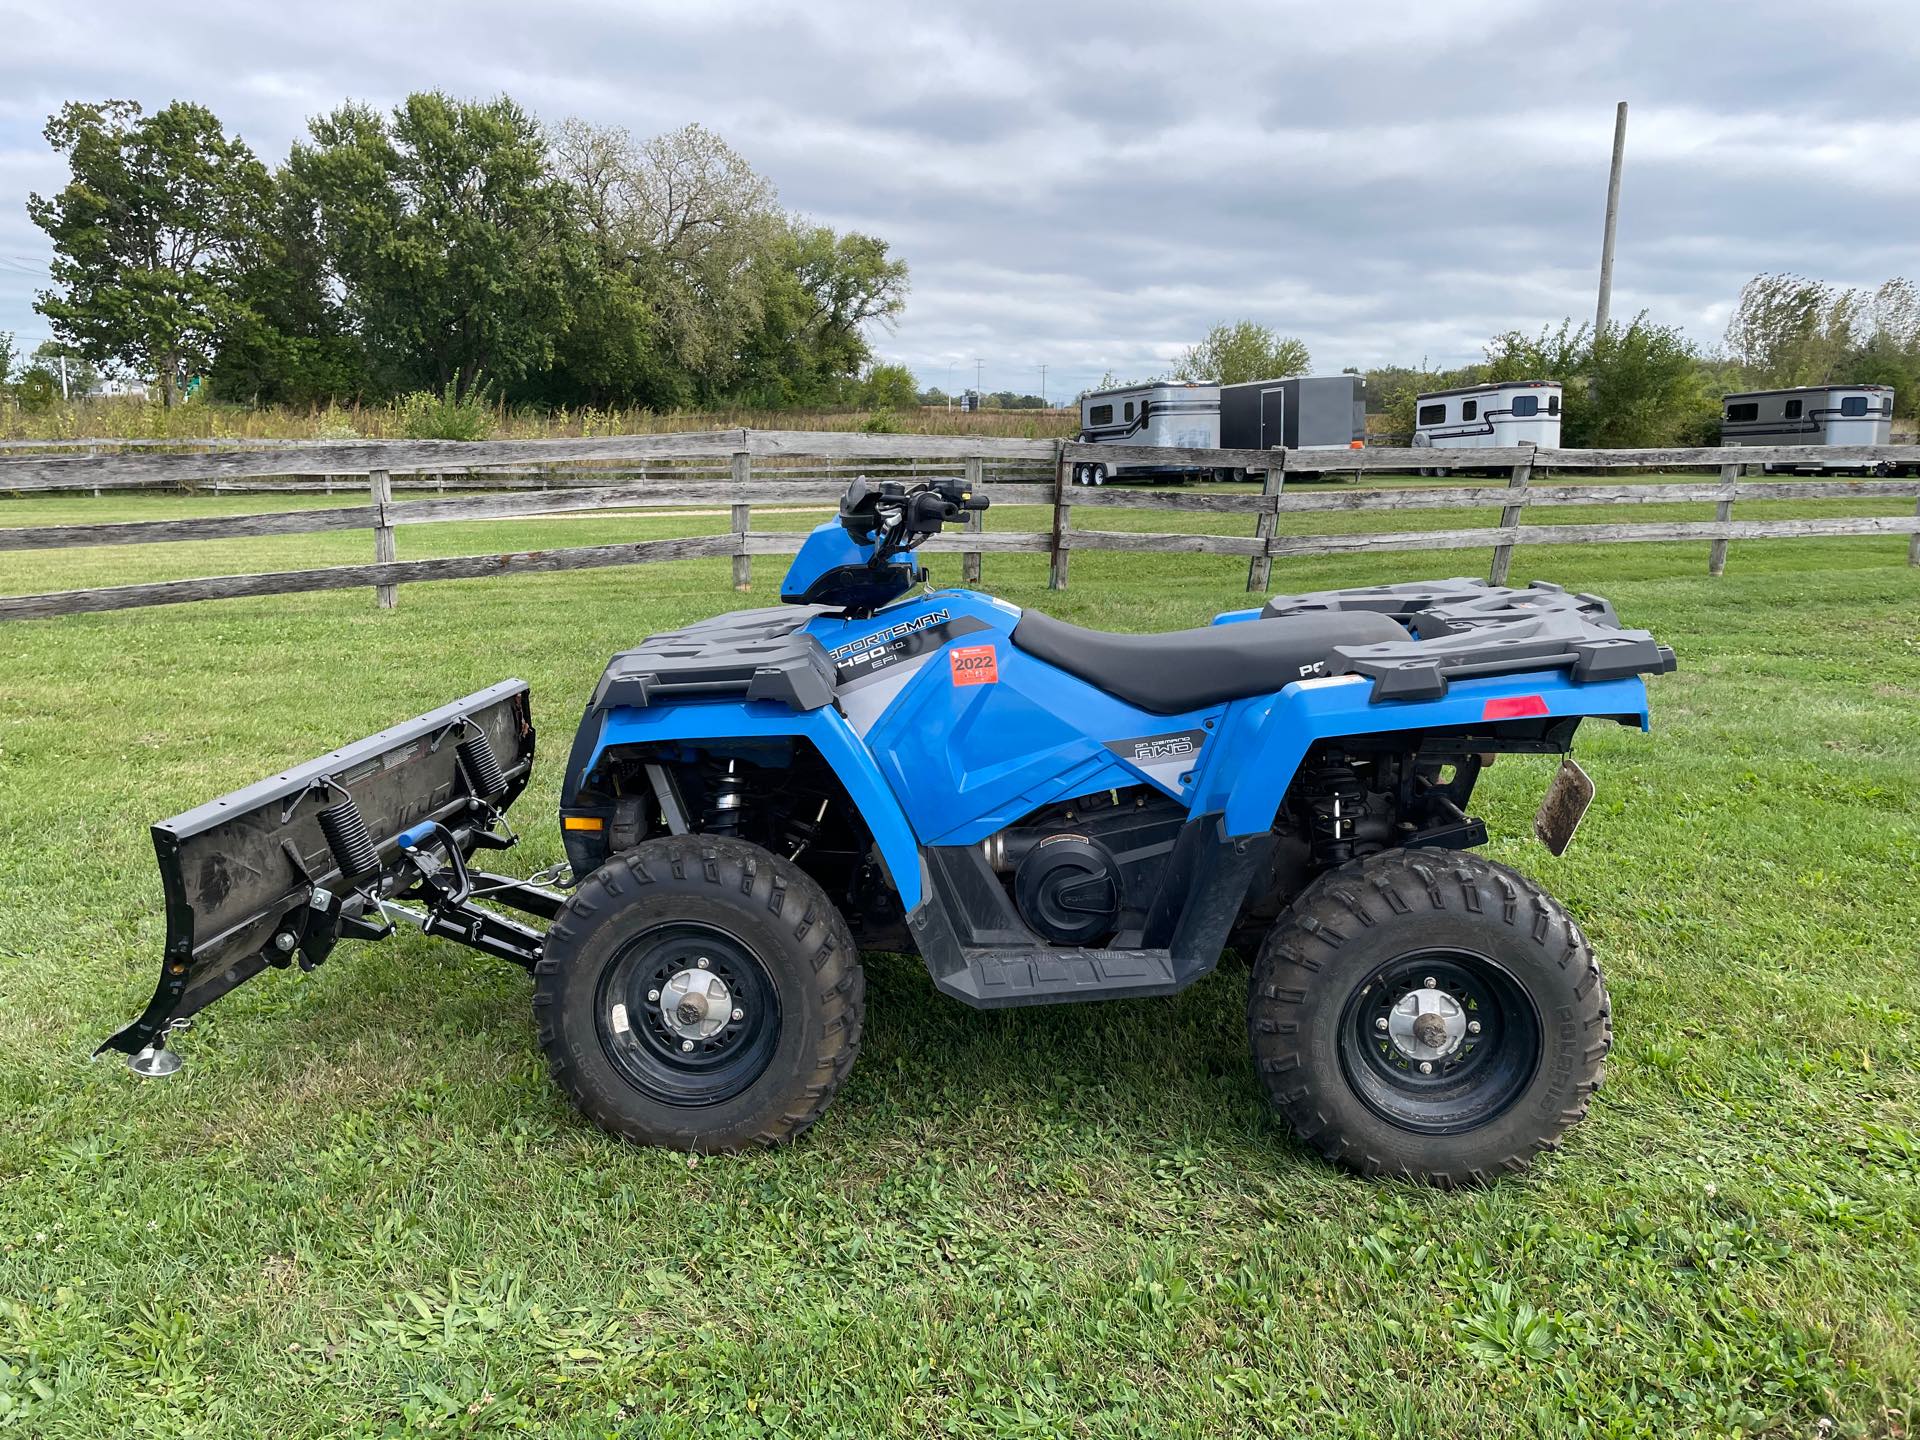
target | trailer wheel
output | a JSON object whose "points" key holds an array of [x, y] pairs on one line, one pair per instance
{"points": [[701, 993], [1428, 1015]]}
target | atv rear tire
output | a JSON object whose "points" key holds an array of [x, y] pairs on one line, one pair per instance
{"points": [[701, 993], [1441, 960]]}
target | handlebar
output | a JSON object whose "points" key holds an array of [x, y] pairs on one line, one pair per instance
{"points": [[896, 517]]}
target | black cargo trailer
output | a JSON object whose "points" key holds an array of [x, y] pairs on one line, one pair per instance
{"points": [[1304, 413]]}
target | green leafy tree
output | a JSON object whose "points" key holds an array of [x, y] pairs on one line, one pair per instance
{"points": [[889, 387], [1890, 352], [448, 236], [291, 340], [676, 226], [821, 291], [159, 215], [1233, 354], [1641, 384], [1788, 330], [9, 357]]}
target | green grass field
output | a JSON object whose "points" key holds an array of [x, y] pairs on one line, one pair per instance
{"points": [[361, 1209]]}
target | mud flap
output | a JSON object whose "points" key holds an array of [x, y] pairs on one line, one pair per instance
{"points": [[276, 873], [1563, 807]]}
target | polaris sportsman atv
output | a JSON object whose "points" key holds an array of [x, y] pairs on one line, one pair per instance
{"points": [[1045, 813]]}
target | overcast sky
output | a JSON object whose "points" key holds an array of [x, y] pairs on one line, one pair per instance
{"points": [[1091, 186]]}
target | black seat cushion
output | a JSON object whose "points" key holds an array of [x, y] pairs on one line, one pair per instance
{"points": [[1188, 669]]}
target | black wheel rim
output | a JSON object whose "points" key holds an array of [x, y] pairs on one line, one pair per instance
{"points": [[1479, 1057], [665, 1056]]}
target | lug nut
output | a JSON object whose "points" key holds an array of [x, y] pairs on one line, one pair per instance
{"points": [[1381, 1023], [653, 994], [701, 962], [1430, 982], [686, 1045], [739, 1014], [1473, 1027], [1426, 1067]]}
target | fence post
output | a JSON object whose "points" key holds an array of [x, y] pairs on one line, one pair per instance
{"points": [[381, 485], [976, 475], [742, 521], [1062, 504], [1260, 568], [1510, 515], [1717, 555], [1913, 540]]}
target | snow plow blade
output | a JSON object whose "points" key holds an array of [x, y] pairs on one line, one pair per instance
{"points": [[276, 873]]}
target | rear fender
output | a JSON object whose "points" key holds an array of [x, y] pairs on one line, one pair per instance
{"points": [[1264, 740], [708, 722]]}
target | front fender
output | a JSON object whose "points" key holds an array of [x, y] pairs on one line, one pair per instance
{"points": [[825, 729], [1264, 740]]}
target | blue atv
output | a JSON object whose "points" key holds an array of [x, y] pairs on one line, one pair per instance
{"points": [[1044, 813]]}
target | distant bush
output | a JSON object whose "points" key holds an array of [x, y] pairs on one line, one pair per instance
{"points": [[448, 414], [882, 422]]}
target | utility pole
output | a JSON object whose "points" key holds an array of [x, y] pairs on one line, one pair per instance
{"points": [[63, 377], [976, 375], [1613, 215], [1043, 385]]}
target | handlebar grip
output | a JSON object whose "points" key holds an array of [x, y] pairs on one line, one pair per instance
{"points": [[976, 502]]}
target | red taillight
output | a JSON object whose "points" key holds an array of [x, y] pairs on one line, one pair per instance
{"points": [[1514, 707]]}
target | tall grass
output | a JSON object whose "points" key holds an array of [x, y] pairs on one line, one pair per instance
{"points": [[138, 420]]}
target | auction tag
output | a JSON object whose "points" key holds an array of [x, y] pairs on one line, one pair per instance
{"points": [[974, 664]]}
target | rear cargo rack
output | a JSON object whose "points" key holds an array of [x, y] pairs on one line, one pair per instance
{"points": [[1461, 629]]}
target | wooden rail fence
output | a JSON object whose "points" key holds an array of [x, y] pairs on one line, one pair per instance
{"points": [[739, 471]]}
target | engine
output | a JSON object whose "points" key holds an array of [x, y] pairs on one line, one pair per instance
{"points": [[1082, 871]]}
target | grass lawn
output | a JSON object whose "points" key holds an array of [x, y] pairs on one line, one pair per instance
{"points": [[362, 1209]]}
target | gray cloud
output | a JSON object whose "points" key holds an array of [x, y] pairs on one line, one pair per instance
{"points": [[1090, 186]]}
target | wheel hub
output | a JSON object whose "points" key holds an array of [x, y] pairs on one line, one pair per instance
{"points": [[1427, 1023], [695, 1003]]}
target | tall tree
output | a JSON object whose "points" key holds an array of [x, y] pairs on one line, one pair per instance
{"points": [[822, 290], [1789, 330], [678, 222], [447, 234], [291, 341], [161, 212], [1234, 354]]}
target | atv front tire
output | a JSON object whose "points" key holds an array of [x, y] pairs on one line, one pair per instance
{"points": [[1429, 1015], [701, 993]]}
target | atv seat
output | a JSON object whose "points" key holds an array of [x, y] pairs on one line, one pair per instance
{"points": [[1181, 670]]}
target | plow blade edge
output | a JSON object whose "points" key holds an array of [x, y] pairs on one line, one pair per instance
{"points": [[274, 874]]}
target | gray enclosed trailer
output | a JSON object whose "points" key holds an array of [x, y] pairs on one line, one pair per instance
{"points": [[1810, 415]]}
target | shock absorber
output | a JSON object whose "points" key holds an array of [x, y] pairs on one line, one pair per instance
{"points": [[726, 793], [1336, 802]]}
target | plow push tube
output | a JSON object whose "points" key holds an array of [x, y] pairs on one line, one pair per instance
{"points": [[276, 873]]}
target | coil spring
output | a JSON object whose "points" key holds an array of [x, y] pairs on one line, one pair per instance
{"points": [[483, 768], [348, 838], [1336, 800], [726, 794]]}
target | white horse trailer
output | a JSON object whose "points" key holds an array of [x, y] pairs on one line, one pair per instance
{"points": [[1482, 417], [1175, 414], [1810, 415]]}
